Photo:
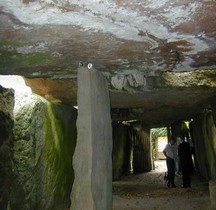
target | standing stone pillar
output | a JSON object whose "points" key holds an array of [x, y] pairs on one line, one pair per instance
{"points": [[142, 155], [92, 160], [6, 144], [213, 107]]}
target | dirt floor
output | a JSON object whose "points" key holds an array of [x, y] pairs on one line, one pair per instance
{"points": [[148, 191]]}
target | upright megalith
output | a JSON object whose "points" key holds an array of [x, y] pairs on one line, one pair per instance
{"points": [[142, 155], [92, 159], [6, 142], [200, 148], [44, 142], [122, 149]]}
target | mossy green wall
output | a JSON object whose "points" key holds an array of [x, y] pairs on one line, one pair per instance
{"points": [[60, 139], [204, 136], [45, 138], [6, 139], [209, 132]]}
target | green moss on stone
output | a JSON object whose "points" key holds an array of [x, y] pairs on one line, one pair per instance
{"points": [[209, 132], [10, 59], [59, 147], [211, 73], [11, 43], [39, 58]]}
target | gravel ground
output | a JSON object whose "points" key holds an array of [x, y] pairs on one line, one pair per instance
{"points": [[148, 191]]}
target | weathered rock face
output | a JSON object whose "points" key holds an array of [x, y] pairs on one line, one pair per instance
{"points": [[165, 98], [122, 147], [155, 99], [92, 160], [204, 134], [43, 149], [142, 151], [54, 36], [6, 142], [138, 45], [7, 101], [200, 149], [209, 131], [132, 150]]}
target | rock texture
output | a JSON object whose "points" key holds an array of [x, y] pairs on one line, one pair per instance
{"points": [[43, 149], [6, 144], [203, 134], [117, 35], [7, 101], [122, 150], [92, 160]]}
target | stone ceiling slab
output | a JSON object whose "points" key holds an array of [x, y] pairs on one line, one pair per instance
{"points": [[54, 36]]}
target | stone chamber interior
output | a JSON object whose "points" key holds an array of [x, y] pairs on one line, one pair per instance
{"points": [[38, 139], [100, 75]]}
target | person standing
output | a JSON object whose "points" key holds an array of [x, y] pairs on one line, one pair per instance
{"points": [[185, 158], [170, 155]]}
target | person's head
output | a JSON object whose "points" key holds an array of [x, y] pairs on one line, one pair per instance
{"points": [[172, 140]]}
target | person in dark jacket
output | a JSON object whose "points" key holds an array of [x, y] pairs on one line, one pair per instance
{"points": [[185, 158]]}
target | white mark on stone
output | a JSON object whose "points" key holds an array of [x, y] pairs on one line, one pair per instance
{"points": [[155, 4], [40, 47], [118, 81], [89, 66], [177, 15], [123, 81], [81, 64], [56, 54]]}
